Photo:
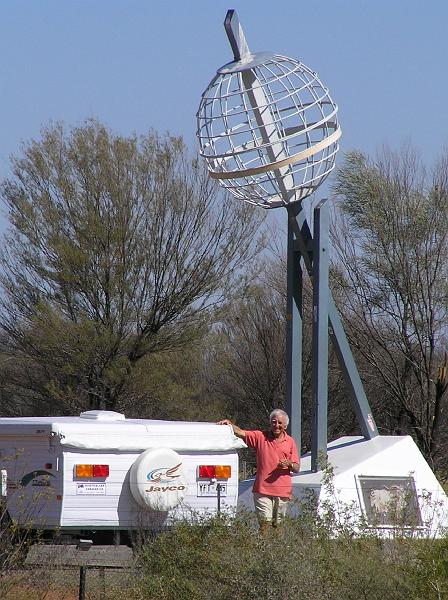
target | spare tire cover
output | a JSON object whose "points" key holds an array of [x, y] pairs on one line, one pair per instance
{"points": [[157, 480]]}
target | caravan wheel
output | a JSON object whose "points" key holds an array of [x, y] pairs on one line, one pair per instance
{"points": [[157, 480]]}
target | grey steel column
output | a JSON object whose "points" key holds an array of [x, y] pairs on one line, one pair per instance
{"points": [[293, 398], [320, 338], [339, 340], [350, 372]]}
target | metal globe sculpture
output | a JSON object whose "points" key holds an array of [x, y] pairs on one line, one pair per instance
{"points": [[266, 126]]}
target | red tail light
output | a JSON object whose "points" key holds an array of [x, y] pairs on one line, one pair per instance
{"points": [[214, 471], [206, 472], [91, 471], [101, 470]]}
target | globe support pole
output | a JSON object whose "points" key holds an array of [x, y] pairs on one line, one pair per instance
{"points": [[293, 399], [361, 407], [320, 337]]}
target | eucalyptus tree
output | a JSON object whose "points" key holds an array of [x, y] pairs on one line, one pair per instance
{"points": [[246, 360], [391, 277], [118, 248]]}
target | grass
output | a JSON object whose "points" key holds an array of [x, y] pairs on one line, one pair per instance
{"points": [[63, 584], [219, 558], [325, 555]]}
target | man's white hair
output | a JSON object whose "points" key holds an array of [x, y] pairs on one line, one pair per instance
{"points": [[279, 413]]}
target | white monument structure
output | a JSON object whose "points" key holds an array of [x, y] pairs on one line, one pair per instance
{"points": [[268, 131]]}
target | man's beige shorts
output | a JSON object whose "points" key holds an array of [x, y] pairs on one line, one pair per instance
{"points": [[270, 508]]}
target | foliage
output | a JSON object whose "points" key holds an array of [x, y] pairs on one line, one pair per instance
{"points": [[246, 359], [119, 248], [321, 553], [14, 545], [217, 558], [390, 279], [171, 385]]}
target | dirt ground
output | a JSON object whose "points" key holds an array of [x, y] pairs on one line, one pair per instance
{"points": [[22, 593], [61, 584]]}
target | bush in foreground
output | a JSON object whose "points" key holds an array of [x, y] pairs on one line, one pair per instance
{"points": [[218, 559]]}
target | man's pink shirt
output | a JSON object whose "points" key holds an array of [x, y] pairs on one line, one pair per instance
{"points": [[272, 480]]}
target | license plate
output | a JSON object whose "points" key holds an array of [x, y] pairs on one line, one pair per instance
{"points": [[210, 489]]}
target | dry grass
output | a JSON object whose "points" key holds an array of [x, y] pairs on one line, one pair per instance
{"points": [[63, 584]]}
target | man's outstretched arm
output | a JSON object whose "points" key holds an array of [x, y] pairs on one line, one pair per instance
{"points": [[236, 430]]}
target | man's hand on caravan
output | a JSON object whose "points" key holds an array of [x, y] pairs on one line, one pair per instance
{"points": [[236, 430]]}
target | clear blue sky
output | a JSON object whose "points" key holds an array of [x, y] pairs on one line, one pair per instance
{"points": [[137, 64]]}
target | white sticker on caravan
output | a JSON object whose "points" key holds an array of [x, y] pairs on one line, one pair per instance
{"points": [[90, 489]]}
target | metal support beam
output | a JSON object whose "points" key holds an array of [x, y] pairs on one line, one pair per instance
{"points": [[293, 399], [338, 337], [352, 379], [320, 338]]}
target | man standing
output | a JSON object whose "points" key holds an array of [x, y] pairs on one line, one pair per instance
{"points": [[277, 457]]}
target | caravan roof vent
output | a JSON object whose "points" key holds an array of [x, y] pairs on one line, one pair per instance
{"points": [[102, 415]]}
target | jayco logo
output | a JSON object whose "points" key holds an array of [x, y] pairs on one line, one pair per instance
{"points": [[164, 474], [166, 488]]}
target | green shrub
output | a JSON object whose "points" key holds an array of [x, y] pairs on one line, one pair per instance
{"points": [[224, 559]]}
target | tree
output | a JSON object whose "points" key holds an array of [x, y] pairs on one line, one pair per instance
{"points": [[250, 365], [118, 248], [391, 280], [246, 363]]}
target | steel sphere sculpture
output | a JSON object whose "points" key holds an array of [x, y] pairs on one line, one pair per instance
{"points": [[266, 126]]}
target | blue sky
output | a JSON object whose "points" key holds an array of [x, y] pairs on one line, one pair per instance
{"points": [[137, 64]]}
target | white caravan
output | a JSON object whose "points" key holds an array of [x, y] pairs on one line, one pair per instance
{"points": [[101, 471]]}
